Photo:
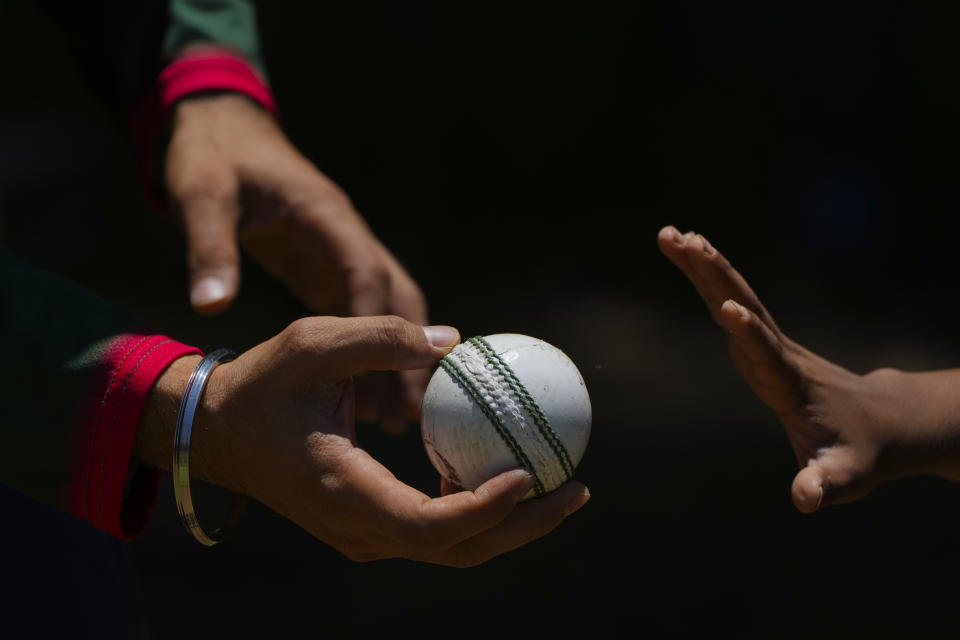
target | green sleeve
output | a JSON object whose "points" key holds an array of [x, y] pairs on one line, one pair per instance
{"points": [[230, 23], [55, 337]]}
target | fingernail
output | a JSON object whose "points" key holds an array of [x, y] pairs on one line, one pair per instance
{"points": [[442, 336], [524, 485], [741, 309], [206, 291], [577, 502], [819, 499], [707, 247]]}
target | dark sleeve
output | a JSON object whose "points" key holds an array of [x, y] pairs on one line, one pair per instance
{"points": [[143, 57], [123, 45], [75, 373]]}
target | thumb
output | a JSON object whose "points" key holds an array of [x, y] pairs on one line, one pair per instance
{"points": [[807, 490], [345, 347], [834, 478], [213, 258]]}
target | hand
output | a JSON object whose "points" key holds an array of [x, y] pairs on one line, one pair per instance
{"points": [[277, 424], [235, 181], [849, 432]]}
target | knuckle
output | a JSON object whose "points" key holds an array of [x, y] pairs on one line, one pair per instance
{"points": [[322, 198], [335, 196], [393, 331], [883, 373], [300, 333], [721, 263]]}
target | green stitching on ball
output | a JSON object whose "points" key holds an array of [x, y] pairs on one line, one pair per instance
{"points": [[528, 402], [466, 381]]}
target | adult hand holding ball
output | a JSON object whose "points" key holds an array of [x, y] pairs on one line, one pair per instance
{"points": [[505, 401]]}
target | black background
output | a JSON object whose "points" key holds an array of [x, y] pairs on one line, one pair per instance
{"points": [[519, 160]]}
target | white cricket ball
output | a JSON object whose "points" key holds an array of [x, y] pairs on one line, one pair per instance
{"points": [[503, 401]]}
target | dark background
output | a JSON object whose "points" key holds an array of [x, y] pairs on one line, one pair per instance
{"points": [[519, 161]]}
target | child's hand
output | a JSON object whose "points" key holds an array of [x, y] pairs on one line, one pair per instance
{"points": [[849, 432]]}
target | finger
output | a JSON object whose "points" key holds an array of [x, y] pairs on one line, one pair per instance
{"points": [[344, 347], [393, 398], [759, 356], [422, 526], [329, 222], [210, 217], [837, 476], [414, 385], [529, 521], [807, 490], [368, 275], [407, 300], [399, 394], [367, 288], [460, 515], [710, 272], [378, 399], [385, 392]]}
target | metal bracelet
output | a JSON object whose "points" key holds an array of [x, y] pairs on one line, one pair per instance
{"points": [[181, 452]]}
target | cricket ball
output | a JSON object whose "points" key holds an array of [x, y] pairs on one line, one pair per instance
{"points": [[504, 401]]}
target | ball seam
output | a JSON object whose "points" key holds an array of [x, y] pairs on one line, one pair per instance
{"points": [[528, 402], [456, 371]]}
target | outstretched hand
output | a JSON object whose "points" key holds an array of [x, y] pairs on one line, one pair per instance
{"points": [[849, 432], [277, 424], [235, 180]]}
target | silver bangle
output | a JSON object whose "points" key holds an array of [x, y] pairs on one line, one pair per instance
{"points": [[181, 452]]}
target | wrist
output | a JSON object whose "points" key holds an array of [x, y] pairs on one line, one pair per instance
{"points": [[153, 444], [210, 451], [218, 98], [223, 112], [920, 416]]}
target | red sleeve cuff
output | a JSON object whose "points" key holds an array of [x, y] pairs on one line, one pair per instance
{"points": [[212, 69], [100, 491], [203, 69]]}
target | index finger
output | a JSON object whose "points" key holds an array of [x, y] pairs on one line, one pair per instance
{"points": [[343, 347], [712, 274]]}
